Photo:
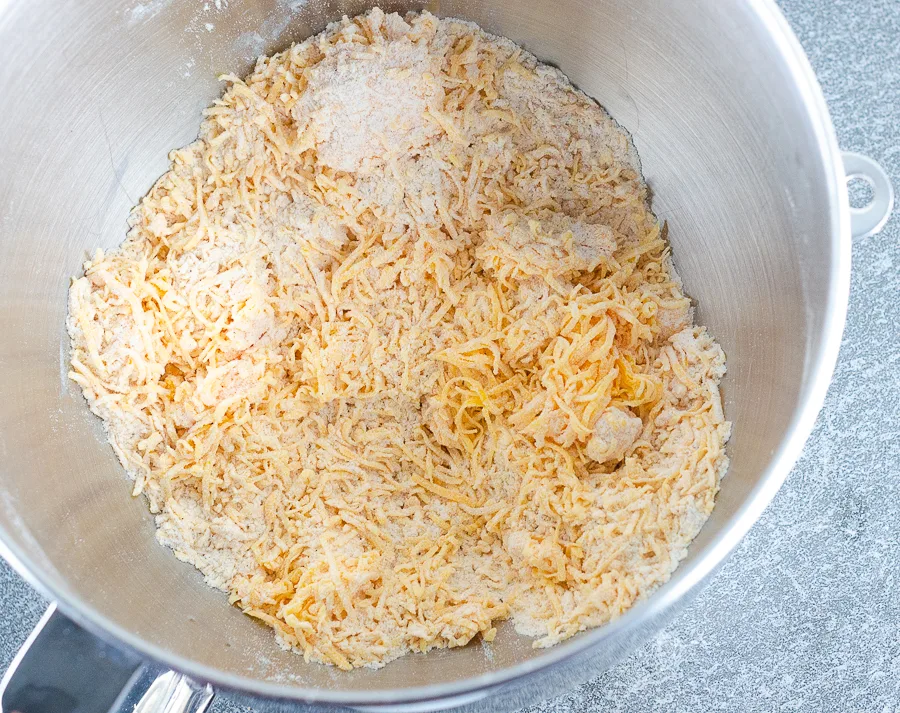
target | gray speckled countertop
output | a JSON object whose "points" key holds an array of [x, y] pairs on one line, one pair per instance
{"points": [[805, 616]]}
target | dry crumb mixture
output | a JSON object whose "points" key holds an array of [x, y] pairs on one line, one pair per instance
{"points": [[395, 350]]}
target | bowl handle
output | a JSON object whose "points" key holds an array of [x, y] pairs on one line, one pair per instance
{"points": [[63, 668], [870, 219]]}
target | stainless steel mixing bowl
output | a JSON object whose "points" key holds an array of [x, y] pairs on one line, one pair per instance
{"points": [[736, 144]]}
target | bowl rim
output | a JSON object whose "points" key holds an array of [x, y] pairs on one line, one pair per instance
{"points": [[688, 576]]}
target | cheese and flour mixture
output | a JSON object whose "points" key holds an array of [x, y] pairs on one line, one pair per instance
{"points": [[395, 350]]}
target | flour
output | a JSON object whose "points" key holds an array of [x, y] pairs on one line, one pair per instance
{"points": [[361, 105], [395, 350]]}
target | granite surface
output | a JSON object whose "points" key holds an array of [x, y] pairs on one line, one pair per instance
{"points": [[805, 616]]}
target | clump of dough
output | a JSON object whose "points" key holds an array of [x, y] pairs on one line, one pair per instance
{"points": [[614, 434]]}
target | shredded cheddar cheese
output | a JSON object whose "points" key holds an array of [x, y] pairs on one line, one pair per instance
{"points": [[395, 350]]}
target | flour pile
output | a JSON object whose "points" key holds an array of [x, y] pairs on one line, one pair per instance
{"points": [[395, 350]]}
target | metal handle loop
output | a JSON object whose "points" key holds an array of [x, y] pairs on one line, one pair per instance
{"points": [[870, 219]]}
